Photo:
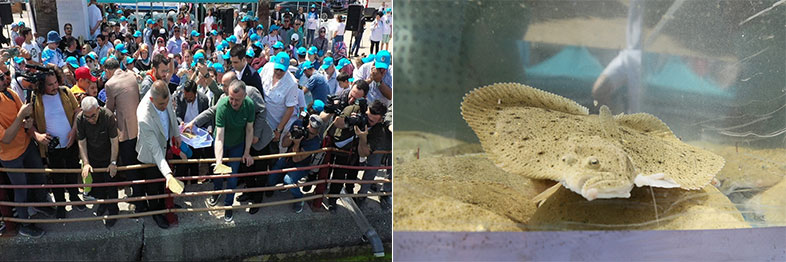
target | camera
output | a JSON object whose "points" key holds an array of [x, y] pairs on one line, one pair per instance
{"points": [[361, 118], [298, 132], [334, 105], [53, 143]]}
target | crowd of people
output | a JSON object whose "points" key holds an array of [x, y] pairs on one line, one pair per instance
{"points": [[125, 95]]}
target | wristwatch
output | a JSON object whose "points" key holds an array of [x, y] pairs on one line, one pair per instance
{"points": [[113, 163]]}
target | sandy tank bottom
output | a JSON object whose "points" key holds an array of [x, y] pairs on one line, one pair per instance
{"points": [[443, 184]]}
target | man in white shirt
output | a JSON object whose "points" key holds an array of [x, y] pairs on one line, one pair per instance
{"points": [[174, 45], [379, 76], [94, 19], [29, 45], [240, 29]]}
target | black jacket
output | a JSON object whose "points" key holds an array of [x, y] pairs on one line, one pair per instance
{"points": [[181, 105], [251, 78]]}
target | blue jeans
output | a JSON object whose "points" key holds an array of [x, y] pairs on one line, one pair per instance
{"points": [[289, 178], [218, 183], [29, 159], [309, 36]]}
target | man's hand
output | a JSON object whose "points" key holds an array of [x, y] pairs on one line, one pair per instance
{"points": [[183, 155], [42, 138], [255, 140], [25, 111], [276, 135], [360, 133], [86, 170], [376, 76], [71, 138], [248, 159], [187, 127], [177, 141], [112, 170]]}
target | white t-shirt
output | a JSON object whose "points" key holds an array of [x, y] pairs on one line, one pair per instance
{"points": [[239, 33], [340, 29], [312, 21], [93, 16], [208, 24], [388, 24], [57, 123], [124, 29], [270, 40], [377, 30], [34, 50], [192, 110]]}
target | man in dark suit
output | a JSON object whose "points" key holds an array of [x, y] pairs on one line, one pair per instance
{"points": [[188, 104], [244, 72]]}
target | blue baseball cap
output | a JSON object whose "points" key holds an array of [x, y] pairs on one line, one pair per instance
{"points": [[278, 45], [307, 65], [220, 47], [82, 61], [318, 105], [232, 39], [313, 6], [195, 33], [351, 80], [72, 62], [52, 37], [367, 59], [274, 28], [260, 27], [226, 56], [382, 60], [244, 19], [21, 23], [301, 50], [219, 68], [389, 10], [342, 63], [19, 60], [281, 61], [312, 50], [256, 18], [123, 19], [259, 44], [119, 11], [121, 48], [254, 37], [92, 55], [213, 32], [137, 34], [327, 62], [150, 21], [102, 60], [250, 52], [199, 56], [129, 59], [14, 25]]}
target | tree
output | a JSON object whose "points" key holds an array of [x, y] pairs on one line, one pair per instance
{"points": [[45, 16]]}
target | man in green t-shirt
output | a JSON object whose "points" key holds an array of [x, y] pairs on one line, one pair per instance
{"points": [[234, 134]]}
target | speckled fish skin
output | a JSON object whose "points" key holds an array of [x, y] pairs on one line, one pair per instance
{"points": [[533, 133]]}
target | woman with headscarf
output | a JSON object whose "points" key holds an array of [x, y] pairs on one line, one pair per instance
{"points": [[142, 62]]}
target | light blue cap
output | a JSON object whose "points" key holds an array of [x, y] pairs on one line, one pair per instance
{"points": [[254, 37], [232, 39], [327, 62], [342, 63], [307, 65], [150, 21], [102, 60], [121, 48], [213, 32], [382, 60], [281, 61], [318, 105], [226, 56], [194, 33], [137, 34], [123, 19], [312, 50], [219, 68], [72, 62], [259, 44], [369, 58], [278, 45], [250, 52], [301, 50], [129, 59]]}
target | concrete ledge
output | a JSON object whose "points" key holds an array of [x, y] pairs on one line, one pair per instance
{"points": [[199, 236]]}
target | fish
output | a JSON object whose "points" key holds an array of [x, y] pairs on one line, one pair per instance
{"points": [[529, 132]]}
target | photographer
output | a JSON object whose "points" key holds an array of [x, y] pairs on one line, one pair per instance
{"points": [[18, 151], [54, 111], [379, 137], [304, 136], [348, 133]]}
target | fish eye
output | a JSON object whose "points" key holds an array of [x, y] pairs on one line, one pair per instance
{"points": [[593, 162]]}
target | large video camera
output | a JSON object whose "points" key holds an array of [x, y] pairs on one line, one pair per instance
{"points": [[301, 130], [360, 119], [35, 78]]}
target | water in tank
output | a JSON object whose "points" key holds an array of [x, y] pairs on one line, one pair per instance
{"points": [[589, 115]]}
